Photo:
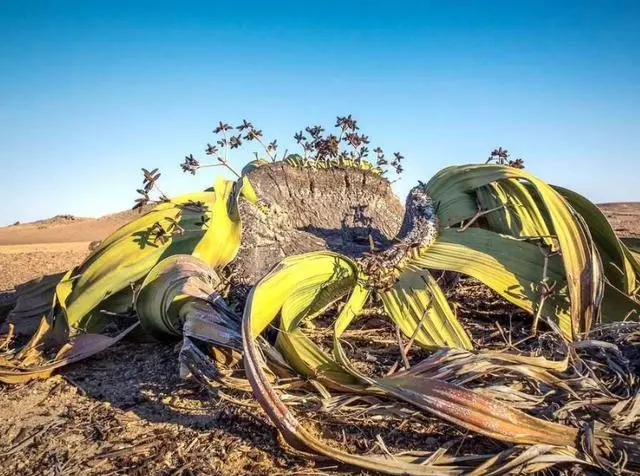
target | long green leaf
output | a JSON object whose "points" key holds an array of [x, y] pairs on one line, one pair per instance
{"points": [[417, 304], [126, 257], [620, 270], [581, 263], [511, 267]]}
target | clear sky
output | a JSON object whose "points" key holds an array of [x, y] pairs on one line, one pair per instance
{"points": [[92, 91]]}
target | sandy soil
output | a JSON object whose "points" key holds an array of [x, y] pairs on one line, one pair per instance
{"points": [[133, 415], [52, 245], [64, 229], [20, 263], [625, 217], [115, 415]]}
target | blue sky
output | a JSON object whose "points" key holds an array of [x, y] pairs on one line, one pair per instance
{"points": [[92, 91]]}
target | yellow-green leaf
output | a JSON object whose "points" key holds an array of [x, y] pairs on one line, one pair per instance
{"points": [[417, 304]]}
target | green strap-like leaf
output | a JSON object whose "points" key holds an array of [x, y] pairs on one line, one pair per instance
{"points": [[511, 267], [163, 290], [299, 288], [620, 270], [417, 300], [221, 242], [582, 266], [519, 216], [104, 280], [632, 243], [618, 306]]}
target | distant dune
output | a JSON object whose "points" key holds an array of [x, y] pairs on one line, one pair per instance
{"points": [[52, 245], [64, 229]]}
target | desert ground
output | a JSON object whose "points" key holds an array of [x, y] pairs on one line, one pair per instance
{"points": [[127, 411]]}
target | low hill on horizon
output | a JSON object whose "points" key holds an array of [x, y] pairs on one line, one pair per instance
{"points": [[64, 229]]}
